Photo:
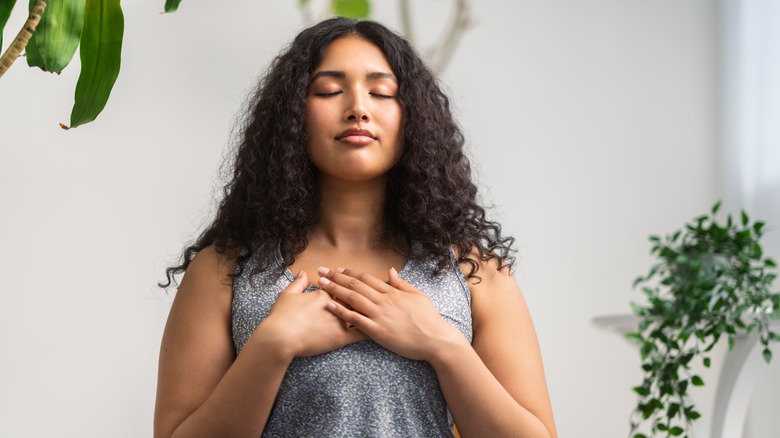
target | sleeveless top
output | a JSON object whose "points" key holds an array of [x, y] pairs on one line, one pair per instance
{"points": [[361, 389]]}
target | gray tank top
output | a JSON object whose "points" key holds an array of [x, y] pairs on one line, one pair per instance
{"points": [[361, 389]]}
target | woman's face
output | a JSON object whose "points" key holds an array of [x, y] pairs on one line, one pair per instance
{"points": [[353, 115]]}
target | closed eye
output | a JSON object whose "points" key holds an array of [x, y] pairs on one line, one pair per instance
{"points": [[382, 96], [327, 94]]}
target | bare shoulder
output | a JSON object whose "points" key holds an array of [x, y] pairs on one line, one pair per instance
{"points": [[204, 297], [201, 310], [197, 347], [495, 286], [505, 339], [209, 268]]}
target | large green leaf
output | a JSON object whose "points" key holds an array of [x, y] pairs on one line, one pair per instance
{"points": [[101, 54], [172, 5], [31, 50], [58, 33], [351, 8], [6, 6]]}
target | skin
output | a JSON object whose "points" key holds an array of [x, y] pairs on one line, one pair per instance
{"points": [[493, 387]]}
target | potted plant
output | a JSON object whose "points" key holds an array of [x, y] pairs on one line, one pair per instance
{"points": [[711, 281]]}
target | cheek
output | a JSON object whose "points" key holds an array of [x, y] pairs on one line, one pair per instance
{"points": [[393, 122], [320, 118]]}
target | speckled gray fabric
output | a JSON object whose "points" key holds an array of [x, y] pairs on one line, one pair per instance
{"points": [[363, 389]]}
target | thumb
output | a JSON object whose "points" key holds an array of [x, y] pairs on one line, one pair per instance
{"points": [[299, 284], [399, 283]]}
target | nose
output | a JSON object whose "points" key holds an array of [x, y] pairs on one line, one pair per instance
{"points": [[356, 108]]}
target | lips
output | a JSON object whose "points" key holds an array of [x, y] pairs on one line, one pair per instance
{"points": [[356, 136]]}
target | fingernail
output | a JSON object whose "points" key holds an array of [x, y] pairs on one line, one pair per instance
{"points": [[340, 270], [323, 270], [324, 281], [299, 275], [393, 271]]}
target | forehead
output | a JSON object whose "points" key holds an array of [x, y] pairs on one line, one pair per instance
{"points": [[353, 55]]}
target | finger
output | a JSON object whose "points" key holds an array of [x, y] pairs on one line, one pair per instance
{"points": [[348, 295], [298, 284], [353, 280], [356, 319], [399, 283], [369, 280]]}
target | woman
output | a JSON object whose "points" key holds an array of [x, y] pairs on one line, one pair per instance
{"points": [[350, 169]]}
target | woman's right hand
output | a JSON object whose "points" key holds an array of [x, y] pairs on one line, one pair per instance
{"points": [[300, 324]]}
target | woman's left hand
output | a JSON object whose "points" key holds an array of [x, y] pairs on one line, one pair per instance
{"points": [[397, 316]]}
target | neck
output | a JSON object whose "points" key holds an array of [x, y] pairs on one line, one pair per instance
{"points": [[351, 215]]}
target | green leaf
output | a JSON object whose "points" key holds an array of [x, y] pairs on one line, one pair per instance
{"points": [[674, 409], [171, 5], [707, 362], [716, 207], [646, 349], [647, 410], [682, 387], [101, 52], [697, 381], [58, 33], [774, 337], [731, 343], [641, 390], [771, 263], [767, 355], [634, 338], [744, 218], [640, 435], [676, 431], [757, 251], [358, 9], [31, 49], [6, 6]]}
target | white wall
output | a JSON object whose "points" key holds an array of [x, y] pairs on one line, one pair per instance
{"points": [[591, 125]]}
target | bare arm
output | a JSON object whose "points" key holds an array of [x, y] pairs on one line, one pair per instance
{"points": [[496, 386], [203, 389]]}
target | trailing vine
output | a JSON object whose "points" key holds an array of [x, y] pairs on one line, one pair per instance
{"points": [[711, 281]]}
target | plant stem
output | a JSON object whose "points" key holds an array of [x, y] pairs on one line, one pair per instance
{"points": [[406, 20], [305, 9], [441, 53], [23, 37]]}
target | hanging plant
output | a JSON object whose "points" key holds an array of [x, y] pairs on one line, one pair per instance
{"points": [[711, 281], [50, 36]]}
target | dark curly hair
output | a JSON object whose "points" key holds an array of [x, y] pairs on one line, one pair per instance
{"points": [[271, 200]]}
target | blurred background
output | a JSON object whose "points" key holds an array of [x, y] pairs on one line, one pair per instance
{"points": [[590, 125]]}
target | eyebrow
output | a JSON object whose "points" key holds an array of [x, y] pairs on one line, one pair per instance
{"points": [[341, 75]]}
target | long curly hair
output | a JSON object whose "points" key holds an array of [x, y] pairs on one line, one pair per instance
{"points": [[271, 199]]}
